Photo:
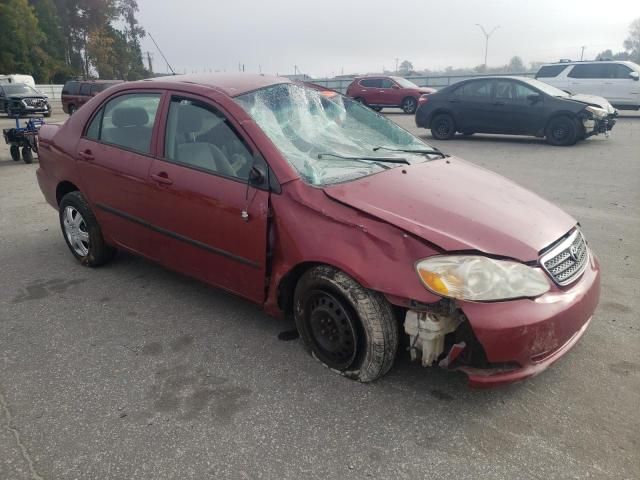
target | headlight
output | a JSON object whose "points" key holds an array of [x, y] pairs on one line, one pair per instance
{"points": [[473, 277], [596, 112]]}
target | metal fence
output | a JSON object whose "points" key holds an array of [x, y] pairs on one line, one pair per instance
{"points": [[434, 81], [54, 92]]}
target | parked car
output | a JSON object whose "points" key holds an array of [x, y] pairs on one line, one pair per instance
{"points": [[514, 106], [18, 78], [380, 92], [310, 205], [76, 93], [19, 99], [617, 81]]}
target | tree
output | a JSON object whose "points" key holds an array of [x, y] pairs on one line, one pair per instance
{"points": [[406, 68], [632, 43], [516, 65]]}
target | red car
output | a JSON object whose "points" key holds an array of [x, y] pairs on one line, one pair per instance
{"points": [[76, 93], [380, 92], [311, 205]]}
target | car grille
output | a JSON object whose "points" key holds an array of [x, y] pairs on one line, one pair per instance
{"points": [[566, 261], [35, 102]]}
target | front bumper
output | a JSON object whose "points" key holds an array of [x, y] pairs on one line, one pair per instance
{"points": [[596, 126], [524, 337]]}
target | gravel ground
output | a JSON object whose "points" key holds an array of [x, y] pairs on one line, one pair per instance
{"points": [[132, 371]]}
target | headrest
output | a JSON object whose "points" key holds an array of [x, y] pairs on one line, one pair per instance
{"points": [[129, 117]]}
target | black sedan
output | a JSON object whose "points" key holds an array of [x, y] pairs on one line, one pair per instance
{"points": [[514, 106], [19, 100]]}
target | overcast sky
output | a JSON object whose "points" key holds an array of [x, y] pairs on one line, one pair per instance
{"points": [[326, 37]]}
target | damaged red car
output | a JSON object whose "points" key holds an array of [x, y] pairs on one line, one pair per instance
{"points": [[312, 205]]}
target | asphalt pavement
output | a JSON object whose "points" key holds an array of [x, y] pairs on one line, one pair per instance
{"points": [[134, 372]]}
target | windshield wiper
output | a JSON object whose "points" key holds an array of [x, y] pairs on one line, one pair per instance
{"points": [[434, 151], [368, 159]]}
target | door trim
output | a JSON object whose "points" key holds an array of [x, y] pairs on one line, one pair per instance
{"points": [[177, 236]]}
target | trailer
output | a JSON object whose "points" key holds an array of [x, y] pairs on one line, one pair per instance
{"points": [[23, 138]]}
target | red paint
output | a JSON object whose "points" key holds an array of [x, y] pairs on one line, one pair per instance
{"points": [[374, 228], [390, 95]]}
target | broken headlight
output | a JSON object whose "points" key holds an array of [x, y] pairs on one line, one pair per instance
{"points": [[478, 278], [596, 112]]}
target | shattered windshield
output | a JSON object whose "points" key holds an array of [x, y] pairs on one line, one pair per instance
{"points": [[316, 130]]}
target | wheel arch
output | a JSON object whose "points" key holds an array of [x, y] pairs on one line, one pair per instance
{"points": [[436, 112], [63, 188]]}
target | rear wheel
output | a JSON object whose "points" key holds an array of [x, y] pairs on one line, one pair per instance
{"points": [[443, 127], [15, 153], [346, 327], [81, 231], [27, 155], [409, 105], [562, 131]]}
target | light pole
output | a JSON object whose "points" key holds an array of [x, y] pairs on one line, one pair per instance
{"points": [[486, 44]]}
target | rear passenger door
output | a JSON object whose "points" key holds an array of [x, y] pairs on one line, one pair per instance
{"points": [[113, 160], [206, 219]]}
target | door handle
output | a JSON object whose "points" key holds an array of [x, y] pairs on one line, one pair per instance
{"points": [[161, 178], [86, 155]]}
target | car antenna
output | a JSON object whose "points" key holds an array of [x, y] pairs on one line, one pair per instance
{"points": [[165, 58]]}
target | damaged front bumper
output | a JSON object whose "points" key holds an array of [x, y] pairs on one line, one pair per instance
{"points": [[595, 126], [503, 342]]}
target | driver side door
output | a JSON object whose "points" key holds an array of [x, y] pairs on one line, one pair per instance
{"points": [[206, 219]]}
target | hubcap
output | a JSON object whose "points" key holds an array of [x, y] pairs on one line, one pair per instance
{"points": [[443, 128], [409, 104], [560, 132], [75, 229], [331, 330]]}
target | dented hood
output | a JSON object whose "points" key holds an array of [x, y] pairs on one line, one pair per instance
{"points": [[593, 100], [458, 206]]}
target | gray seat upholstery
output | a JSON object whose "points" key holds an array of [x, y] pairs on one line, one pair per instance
{"points": [[205, 155], [130, 129]]}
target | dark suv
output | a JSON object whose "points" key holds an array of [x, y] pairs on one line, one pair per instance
{"points": [[380, 92], [20, 99], [76, 93]]}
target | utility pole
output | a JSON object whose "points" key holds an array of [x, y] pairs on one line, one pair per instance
{"points": [[149, 57], [396, 64], [486, 44], [582, 52], [295, 70]]}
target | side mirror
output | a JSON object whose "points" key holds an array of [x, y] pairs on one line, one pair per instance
{"points": [[635, 75], [534, 97], [257, 176]]}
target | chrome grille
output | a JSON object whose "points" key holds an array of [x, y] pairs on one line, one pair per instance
{"points": [[34, 102], [566, 261]]}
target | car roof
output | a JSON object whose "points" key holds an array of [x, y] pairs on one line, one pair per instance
{"points": [[581, 62], [231, 84]]}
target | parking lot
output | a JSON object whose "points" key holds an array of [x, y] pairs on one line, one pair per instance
{"points": [[132, 371]]}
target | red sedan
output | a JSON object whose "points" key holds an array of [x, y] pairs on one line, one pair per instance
{"points": [[311, 205]]}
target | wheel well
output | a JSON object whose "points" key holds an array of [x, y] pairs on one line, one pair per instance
{"points": [[63, 188], [287, 286], [437, 112]]}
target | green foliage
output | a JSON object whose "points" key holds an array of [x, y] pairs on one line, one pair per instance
{"points": [[54, 40]]}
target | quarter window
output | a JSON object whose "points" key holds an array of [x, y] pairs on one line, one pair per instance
{"points": [[200, 136], [126, 121]]}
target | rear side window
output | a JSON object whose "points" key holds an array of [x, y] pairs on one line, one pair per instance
{"points": [[371, 82], [386, 83], [85, 89], [200, 136], [126, 121], [589, 70], [95, 88], [550, 71], [479, 89], [71, 88]]}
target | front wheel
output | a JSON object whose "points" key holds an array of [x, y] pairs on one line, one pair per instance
{"points": [[562, 131], [81, 231], [346, 327], [409, 105], [443, 127], [15, 153]]}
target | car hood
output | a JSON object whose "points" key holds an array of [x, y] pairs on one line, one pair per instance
{"points": [[458, 206], [593, 100], [427, 90], [20, 96]]}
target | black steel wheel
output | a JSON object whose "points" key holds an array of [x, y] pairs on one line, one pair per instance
{"points": [[27, 155], [409, 105], [562, 131], [348, 328], [443, 127], [15, 153]]}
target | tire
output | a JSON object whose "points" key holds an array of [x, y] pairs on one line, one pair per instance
{"points": [[443, 127], [71, 109], [376, 109], [27, 155], [47, 114], [409, 105], [81, 231], [346, 327], [561, 131], [15, 153]]}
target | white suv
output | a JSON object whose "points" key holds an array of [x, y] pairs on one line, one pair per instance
{"points": [[617, 81]]}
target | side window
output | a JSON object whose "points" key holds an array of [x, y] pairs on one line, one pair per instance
{"points": [[85, 89], [617, 70], [386, 83], [371, 82], [127, 121], [200, 136], [71, 88], [478, 89], [93, 131], [588, 70], [513, 91], [95, 88]]}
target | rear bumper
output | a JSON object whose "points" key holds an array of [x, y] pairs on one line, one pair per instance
{"points": [[525, 336], [48, 187]]}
